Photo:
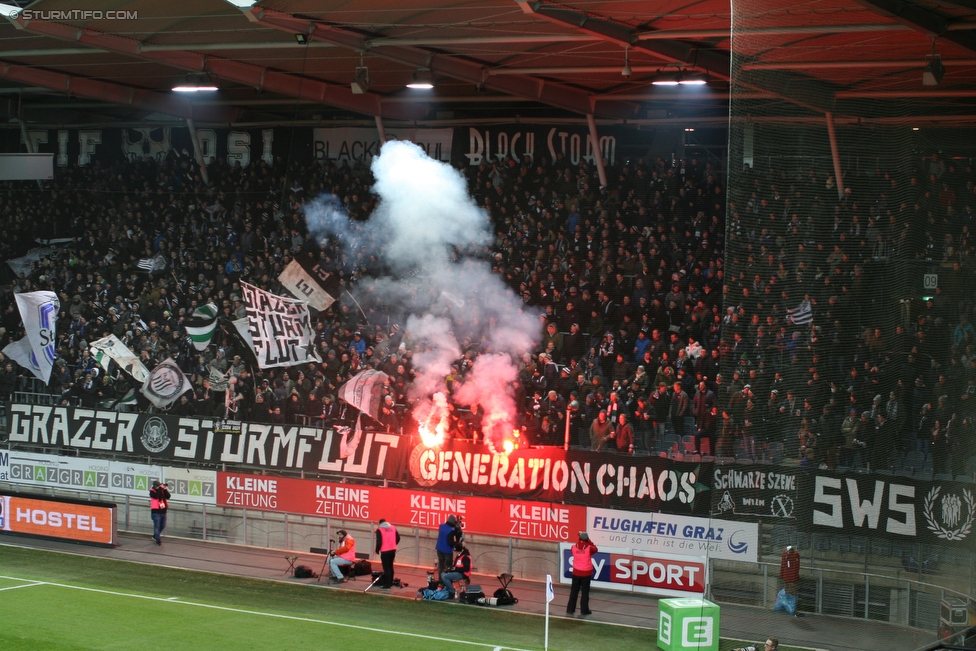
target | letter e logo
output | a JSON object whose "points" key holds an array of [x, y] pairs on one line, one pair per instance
{"points": [[697, 631], [664, 628]]}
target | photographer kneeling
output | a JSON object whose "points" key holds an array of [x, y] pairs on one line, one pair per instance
{"points": [[461, 572], [772, 644]]}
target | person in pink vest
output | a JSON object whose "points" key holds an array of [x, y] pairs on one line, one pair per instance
{"points": [[582, 553], [158, 503], [387, 540], [344, 554]]}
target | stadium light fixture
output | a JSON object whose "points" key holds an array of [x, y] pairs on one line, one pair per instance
{"points": [[242, 4], [934, 71], [626, 71], [195, 84], [360, 83], [422, 79], [666, 79], [301, 39], [693, 79]]}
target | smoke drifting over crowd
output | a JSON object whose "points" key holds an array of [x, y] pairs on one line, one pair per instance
{"points": [[428, 234]]}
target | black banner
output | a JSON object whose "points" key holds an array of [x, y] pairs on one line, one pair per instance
{"points": [[204, 440], [753, 491], [898, 508], [552, 474]]}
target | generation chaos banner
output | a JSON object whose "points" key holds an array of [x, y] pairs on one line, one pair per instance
{"points": [[555, 475]]}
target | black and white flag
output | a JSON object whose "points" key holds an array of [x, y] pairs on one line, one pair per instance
{"points": [[802, 315], [153, 265], [280, 328], [165, 384], [308, 281]]}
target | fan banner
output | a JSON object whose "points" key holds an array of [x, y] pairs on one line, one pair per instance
{"points": [[897, 508], [309, 282], [280, 328], [627, 570], [753, 491], [165, 438], [112, 348], [556, 475]]}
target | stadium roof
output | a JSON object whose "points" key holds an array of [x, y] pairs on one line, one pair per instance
{"points": [[118, 60]]}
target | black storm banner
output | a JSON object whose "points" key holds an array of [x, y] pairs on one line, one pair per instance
{"points": [[552, 474], [203, 440], [753, 491], [898, 508]]}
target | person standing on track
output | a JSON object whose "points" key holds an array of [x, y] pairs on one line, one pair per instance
{"points": [[158, 502], [387, 539]]}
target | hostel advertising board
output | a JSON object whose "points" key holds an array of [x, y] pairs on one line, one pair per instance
{"points": [[85, 522]]}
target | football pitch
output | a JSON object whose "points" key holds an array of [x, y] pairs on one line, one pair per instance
{"points": [[51, 601]]}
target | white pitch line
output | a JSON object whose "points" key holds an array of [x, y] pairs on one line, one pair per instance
{"points": [[25, 585], [262, 614]]}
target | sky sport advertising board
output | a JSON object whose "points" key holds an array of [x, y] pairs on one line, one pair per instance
{"points": [[117, 478], [663, 575], [406, 507], [674, 534], [85, 522]]}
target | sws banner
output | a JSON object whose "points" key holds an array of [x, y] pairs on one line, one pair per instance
{"points": [[555, 475], [898, 508], [666, 575], [175, 438], [754, 491], [117, 478], [423, 509]]}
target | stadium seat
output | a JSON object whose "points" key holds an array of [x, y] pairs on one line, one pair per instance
{"points": [[914, 461], [840, 543], [693, 458], [943, 476], [967, 479], [859, 544], [688, 443], [880, 546]]}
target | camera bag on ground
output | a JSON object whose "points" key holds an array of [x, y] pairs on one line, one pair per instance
{"points": [[504, 597], [362, 567], [304, 572], [472, 595], [434, 595]]}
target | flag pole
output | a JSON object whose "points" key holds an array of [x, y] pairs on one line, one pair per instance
{"points": [[549, 597]]}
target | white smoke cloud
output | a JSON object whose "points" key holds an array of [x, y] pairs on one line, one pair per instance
{"points": [[426, 231]]}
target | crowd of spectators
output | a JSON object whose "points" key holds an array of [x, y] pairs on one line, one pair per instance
{"points": [[665, 304]]}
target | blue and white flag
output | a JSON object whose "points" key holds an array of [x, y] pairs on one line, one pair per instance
{"points": [[802, 315], [37, 351]]}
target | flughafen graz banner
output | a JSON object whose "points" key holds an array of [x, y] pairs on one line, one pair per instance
{"points": [[907, 509]]}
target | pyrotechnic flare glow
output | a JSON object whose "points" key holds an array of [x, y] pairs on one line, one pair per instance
{"points": [[429, 234]]}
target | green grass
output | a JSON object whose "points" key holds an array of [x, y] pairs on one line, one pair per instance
{"points": [[147, 607]]}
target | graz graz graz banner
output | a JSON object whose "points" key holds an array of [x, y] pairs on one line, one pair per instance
{"points": [[898, 508], [555, 475], [756, 491], [206, 440]]}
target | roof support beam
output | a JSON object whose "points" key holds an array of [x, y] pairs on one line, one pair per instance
{"points": [[540, 90], [116, 93], [807, 92], [243, 73], [922, 19]]}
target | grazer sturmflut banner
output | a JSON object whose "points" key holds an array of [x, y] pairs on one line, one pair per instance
{"points": [[555, 475], [897, 508], [204, 440]]}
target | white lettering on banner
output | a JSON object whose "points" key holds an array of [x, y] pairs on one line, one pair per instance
{"points": [[251, 500], [759, 479], [207, 141], [252, 484], [239, 148], [662, 532], [62, 157], [900, 521], [87, 142], [57, 520], [4, 466], [483, 469], [342, 501], [361, 144], [326, 492], [279, 327], [671, 574]]}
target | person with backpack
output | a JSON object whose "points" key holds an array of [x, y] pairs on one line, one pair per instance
{"points": [[344, 554], [582, 553], [461, 572]]}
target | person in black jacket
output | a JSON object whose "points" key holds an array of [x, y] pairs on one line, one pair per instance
{"points": [[461, 572]]}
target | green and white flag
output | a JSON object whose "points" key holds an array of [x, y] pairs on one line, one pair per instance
{"points": [[201, 325], [108, 348]]}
